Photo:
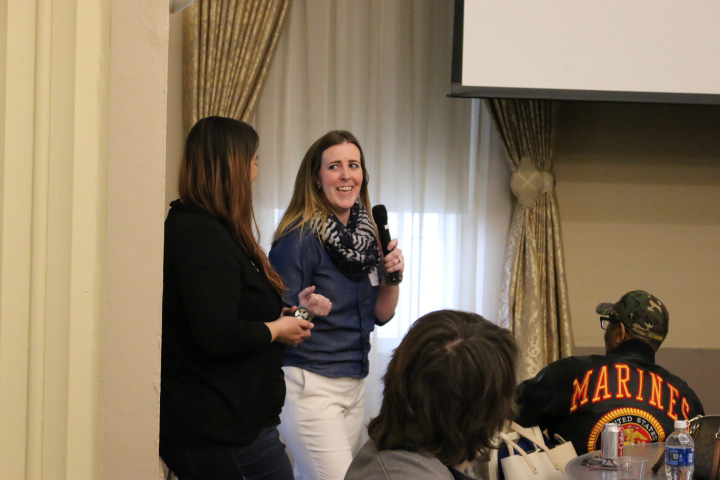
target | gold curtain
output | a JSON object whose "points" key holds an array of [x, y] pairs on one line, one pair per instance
{"points": [[534, 302], [228, 47]]}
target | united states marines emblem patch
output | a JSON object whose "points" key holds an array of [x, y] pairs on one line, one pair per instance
{"points": [[638, 426]]}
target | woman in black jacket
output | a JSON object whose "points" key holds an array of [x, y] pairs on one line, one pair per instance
{"points": [[224, 325]]}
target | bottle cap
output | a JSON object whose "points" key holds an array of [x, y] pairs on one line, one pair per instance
{"points": [[681, 424]]}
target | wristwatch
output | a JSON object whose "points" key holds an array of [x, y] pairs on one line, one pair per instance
{"points": [[303, 313]]}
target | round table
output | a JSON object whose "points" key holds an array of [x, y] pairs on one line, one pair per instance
{"points": [[575, 470]]}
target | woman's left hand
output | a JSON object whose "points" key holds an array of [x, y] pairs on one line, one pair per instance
{"points": [[319, 305], [394, 260]]}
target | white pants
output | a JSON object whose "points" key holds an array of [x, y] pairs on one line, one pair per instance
{"points": [[322, 423]]}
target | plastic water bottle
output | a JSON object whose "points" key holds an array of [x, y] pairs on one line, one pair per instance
{"points": [[679, 453]]}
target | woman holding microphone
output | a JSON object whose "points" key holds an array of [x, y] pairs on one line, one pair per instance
{"points": [[327, 239]]}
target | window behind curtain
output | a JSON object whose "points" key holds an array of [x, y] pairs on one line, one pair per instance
{"points": [[382, 71]]}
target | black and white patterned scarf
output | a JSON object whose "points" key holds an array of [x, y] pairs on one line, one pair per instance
{"points": [[353, 248]]}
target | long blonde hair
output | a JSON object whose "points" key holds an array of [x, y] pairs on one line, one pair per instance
{"points": [[308, 205], [215, 176]]}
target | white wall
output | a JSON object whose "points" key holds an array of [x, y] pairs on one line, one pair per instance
{"points": [[639, 193]]}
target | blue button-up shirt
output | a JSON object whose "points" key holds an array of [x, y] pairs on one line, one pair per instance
{"points": [[340, 342]]}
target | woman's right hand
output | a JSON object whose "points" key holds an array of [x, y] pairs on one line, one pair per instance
{"points": [[290, 331], [318, 305]]}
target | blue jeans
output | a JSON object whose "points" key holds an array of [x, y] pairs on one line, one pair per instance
{"points": [[263, 459]]}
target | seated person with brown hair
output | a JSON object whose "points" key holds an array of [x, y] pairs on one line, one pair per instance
{"points": [[448, 388], [576, 396]]}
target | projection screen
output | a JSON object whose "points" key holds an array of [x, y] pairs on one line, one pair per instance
{"points": [[665, 51]]}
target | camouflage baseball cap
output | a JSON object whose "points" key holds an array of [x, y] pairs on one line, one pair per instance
{"points": [[642, 313]]}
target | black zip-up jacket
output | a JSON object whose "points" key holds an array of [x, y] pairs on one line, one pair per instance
{"points": [[576, 396], [222, 378]]}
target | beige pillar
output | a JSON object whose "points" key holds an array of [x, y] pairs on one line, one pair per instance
{"points": [[136, 211], [17, 73], [82, 155]]}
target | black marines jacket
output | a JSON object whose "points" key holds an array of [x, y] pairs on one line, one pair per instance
{"points": [[576, 396]]}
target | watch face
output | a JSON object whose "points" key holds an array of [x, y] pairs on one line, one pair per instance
{"points": [[303, 313]]}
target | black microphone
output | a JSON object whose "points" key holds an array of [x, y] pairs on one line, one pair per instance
{"points": [[379, 213]]}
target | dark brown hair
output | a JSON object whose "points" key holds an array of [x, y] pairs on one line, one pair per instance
{"points": [[448, 388], [215, 176], [309, 204]]}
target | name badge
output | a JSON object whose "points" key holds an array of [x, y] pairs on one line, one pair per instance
{"points": [[373, 275]]}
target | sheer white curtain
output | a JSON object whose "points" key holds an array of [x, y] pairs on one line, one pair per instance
{"points": [[381, 69]]}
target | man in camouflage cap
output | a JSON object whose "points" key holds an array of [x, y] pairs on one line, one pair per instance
{"points": [[576, 396], [642, 314]]}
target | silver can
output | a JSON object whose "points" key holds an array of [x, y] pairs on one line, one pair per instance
{"points": [[613, 441]]}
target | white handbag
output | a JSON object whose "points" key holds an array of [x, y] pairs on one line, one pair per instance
{"points": [[542, 464], [488, 469], [560, 454]]}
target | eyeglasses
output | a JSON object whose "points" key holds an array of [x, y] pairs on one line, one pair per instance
{"points": [[599, 463], [606, 321]]}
